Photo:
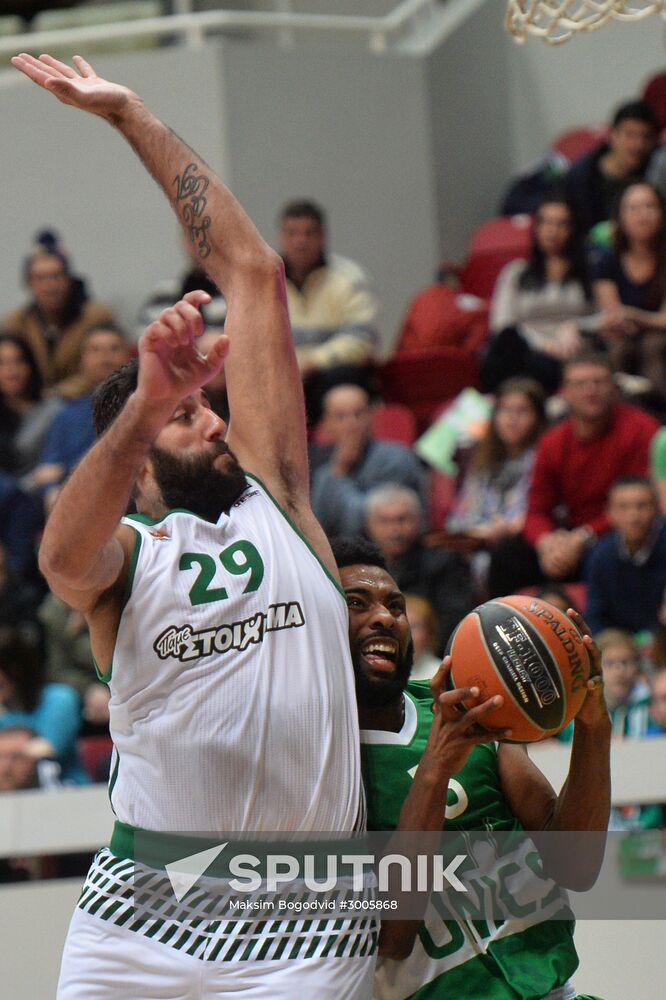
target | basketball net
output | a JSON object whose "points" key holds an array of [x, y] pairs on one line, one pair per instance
{"points": [[556, 21]]}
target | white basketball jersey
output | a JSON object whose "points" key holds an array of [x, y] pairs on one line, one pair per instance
{"points": [[232, 692]]}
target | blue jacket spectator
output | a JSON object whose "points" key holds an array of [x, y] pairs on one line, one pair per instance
{"points": [[71, 434], [357, 463], [626, 572]]}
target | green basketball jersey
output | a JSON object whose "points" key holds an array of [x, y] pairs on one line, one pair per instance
{"points": [[526, 956]]}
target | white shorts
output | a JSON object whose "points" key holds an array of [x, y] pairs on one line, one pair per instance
{"points": [[102, 961]]}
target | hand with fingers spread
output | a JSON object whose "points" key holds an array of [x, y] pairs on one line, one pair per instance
{"points": [[455, 730], [170, 365], [593, 711], [81, 87]]}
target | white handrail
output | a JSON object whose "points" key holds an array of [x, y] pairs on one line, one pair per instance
{"points": [[194, 25], [77, 819]]}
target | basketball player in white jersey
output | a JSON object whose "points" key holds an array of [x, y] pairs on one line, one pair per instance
{"points": [[215, 613]]}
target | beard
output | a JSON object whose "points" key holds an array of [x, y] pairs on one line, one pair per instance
{"points": [[194, 483], [378, 692]]}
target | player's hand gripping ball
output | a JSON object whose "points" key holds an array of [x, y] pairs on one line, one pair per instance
{"points": [[529, 652]]}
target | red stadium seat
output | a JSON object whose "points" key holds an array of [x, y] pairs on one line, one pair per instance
{"points": [[424, 381], [493, 245], [441, 496], [438, 316], [394, 422], [576, 142]]}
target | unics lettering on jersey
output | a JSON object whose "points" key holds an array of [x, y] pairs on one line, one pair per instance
{"points": [[182, 642]]}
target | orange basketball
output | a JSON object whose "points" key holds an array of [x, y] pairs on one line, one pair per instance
{"points": [[529, 652]]}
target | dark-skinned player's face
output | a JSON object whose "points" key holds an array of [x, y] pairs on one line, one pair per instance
{"points": [[379, 636]]}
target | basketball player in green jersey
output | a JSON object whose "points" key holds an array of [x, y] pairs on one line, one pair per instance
{"points": [[427, 773]]}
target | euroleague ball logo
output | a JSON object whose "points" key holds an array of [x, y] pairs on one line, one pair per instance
{"points": [[530, 653], [516, 646]]}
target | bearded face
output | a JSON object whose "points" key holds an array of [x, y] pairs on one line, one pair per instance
{"points": [[206, 484], [376, 688]]}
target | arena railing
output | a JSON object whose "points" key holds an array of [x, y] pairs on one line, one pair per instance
{"points": [[69, 820], [192, 27]]}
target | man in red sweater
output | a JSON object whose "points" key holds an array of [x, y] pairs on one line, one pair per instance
{"points": [[576, 464]]}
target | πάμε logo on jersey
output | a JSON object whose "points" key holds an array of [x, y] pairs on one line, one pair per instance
{"points": [[182, 642]]}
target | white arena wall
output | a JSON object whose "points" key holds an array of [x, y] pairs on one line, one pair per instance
{"points": [[408, 150]]}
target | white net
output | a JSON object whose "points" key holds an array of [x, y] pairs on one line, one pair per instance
{"points": [[555, 21]]}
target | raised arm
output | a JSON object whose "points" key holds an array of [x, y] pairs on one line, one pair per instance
{"points": [[265, 394], [84, 553]]}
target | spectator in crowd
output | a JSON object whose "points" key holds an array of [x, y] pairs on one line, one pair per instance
{"points": [[658, 466], [173, 289], [357, 462], [51, 710], [491, 501], [425, 636], [69, 660], [630, 286], [19, 524], [331, 307], [103, 351], [536, 303], [626, 571], [657, 720], [18, 765], [394, 517], [575, 465], [55, 319], [625, 689], [24, 414], [596, 180]]}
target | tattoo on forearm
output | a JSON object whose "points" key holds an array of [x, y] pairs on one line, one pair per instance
{"points": [[191, 188]]}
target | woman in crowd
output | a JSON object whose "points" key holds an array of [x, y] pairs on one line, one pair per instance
{"points": [[58, 314], [492, 498], [538, 303], [51, 711], [630, 286], [24, 415]]}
